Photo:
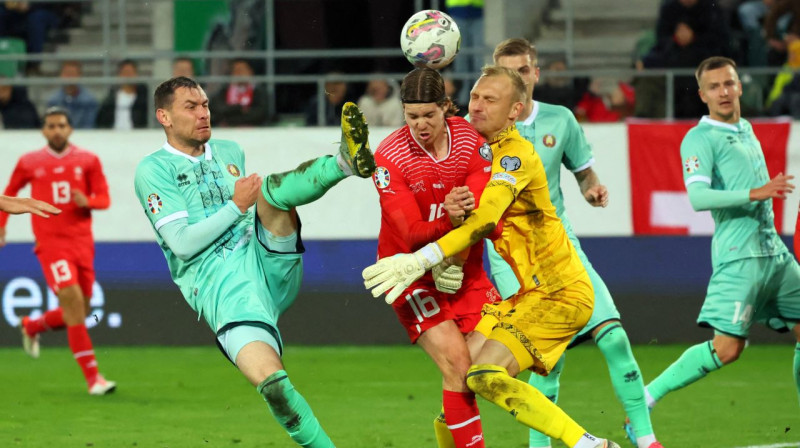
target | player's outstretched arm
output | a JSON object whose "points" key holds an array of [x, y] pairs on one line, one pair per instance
{"points": [[778, 187], [17, 206], [395, 274]]}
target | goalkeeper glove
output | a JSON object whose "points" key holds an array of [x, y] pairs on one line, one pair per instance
{"points": [[447, 277], [399, 272]]}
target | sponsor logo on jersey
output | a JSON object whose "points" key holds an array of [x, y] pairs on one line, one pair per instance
{"points": [[486, 152], [154, 204], [505, 177], [549, 140], [183, 180], [417, 187], [234, 170], [691, 164], [510, 163], [78, 172], [58, 169], [381, 177], [438, 186]]}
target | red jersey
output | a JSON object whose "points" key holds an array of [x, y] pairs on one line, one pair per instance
{"points": [[53, 177], [412, 186]]}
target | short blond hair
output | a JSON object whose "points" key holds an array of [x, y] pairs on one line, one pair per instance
{"points": [[713, 63], [517, 83], [515, 47]]}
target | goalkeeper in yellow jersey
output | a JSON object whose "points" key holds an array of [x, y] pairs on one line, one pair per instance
{"points": [[531, 329]]}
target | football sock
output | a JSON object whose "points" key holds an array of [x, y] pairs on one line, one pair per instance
{"points": [[548, 385], [797, 368], [444, 438], [293, 413], [50, 320], [303, 185], [625, 377], [695, 363], [463, 418], [529, 406], [82, 350]]}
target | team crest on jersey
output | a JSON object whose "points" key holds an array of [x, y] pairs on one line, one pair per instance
{"points": [[381, 177], [510, 163], [234, 170], [486, 152], [691, 164], [154, 204], [549, 140]]}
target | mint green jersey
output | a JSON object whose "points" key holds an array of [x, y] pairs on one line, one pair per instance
{"points": [[558, 139], [729, 157], [172, 185]]}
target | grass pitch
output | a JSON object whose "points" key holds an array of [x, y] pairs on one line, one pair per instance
{"points": [[370, 397]]}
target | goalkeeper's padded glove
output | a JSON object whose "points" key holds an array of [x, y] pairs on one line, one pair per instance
{"points": [[448, 277], [399, 272]]}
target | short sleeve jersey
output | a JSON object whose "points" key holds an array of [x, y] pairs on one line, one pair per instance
{"points": [[53, 176], [558, 139], [412, 186], [172, 185], [729, 157], [533, 239]]}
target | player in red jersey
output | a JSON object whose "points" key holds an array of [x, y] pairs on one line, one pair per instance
{"points": [[72, 179], [427, 171]]}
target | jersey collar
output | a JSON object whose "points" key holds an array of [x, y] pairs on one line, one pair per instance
{"points": [[535, 111], [61, 155], [171, 149], [422, 148], [731, 127]]}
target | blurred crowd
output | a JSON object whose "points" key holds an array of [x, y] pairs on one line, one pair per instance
{"points": [[755, 33]]}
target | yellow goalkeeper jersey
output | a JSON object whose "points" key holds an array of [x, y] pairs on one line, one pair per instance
{"points": [[533, 240]]}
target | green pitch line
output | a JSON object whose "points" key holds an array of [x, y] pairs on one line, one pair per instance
{"points": [[365, 397]]}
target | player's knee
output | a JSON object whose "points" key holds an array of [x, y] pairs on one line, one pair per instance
{"points": [[479, 381], [728, 353]]}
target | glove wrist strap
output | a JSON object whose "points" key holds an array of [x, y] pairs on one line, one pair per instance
{"points": [[430, 255]]}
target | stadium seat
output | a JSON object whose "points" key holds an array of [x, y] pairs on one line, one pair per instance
{"points": [[11, 45]]}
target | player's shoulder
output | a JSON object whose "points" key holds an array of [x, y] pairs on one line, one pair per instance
{"points": [[155, 161], [35, 155], [225, 146], [393, 143], [513, 143], [463, 132], [547, 110]]}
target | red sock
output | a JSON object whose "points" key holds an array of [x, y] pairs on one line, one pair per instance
{"points": [[463, 419], [50, 320], [81, 347]]}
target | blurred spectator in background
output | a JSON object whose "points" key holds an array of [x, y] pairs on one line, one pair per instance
{"points": [[606, 100], [687, 32], [781, 27], [451, 89], [784, 98], [125, 106], [468, 15], [31, 22], [183, 67], [240, 103], [17, 110], [558, 90], [78, 101], [381, 103], [335, 96]]}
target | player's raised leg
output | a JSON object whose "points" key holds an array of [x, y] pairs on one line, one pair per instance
{"points": [[694, 364], [309, 181], [256, 353]]}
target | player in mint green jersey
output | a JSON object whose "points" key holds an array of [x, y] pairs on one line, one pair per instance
{"points": [[238, 268], [755, 278], [559, 140]]}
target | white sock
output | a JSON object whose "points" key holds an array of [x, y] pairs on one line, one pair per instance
{"points": [[646, 441], [651, 403], [587, 441], [343, 165]]}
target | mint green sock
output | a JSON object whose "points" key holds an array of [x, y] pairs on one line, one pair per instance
{"points": [[625, 376], [293, 413], [695, 363], [549, 386], [304, 184], [797, 368]]}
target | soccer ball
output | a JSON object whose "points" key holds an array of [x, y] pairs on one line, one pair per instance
{"points": [[431, 39]]}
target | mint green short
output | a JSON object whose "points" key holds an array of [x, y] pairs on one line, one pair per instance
{"points": [[758, 289]]}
